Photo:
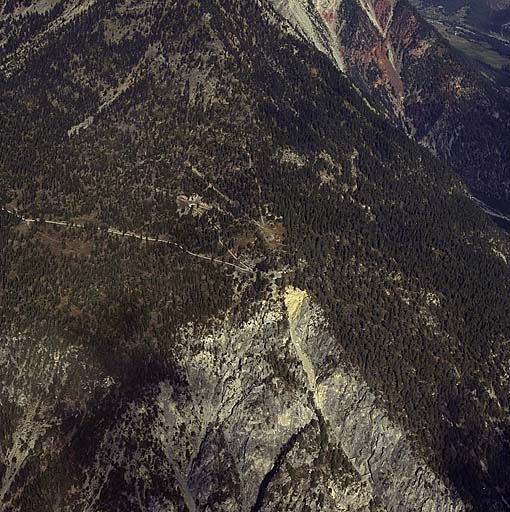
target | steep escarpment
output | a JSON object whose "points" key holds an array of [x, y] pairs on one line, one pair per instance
{"points": [[243, 430], [307, 21]]}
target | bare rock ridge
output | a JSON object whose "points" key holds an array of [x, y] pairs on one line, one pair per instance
{"points": [[311, 26], [267, 430]]}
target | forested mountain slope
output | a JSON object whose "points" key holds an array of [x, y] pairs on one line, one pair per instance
{"points": [[438, 97], [226, 283]]}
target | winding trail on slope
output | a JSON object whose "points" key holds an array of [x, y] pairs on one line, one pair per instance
{"points": [[128, 234]]}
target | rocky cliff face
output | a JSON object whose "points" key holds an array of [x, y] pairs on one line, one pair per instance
{"points": [[260, 422], [307, 21]]}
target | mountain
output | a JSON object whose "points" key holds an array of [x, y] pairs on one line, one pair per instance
{"points": [[440, 99], [227, 282]]}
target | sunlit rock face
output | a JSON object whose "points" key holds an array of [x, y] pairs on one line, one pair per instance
{"points": [[261, 422]]}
